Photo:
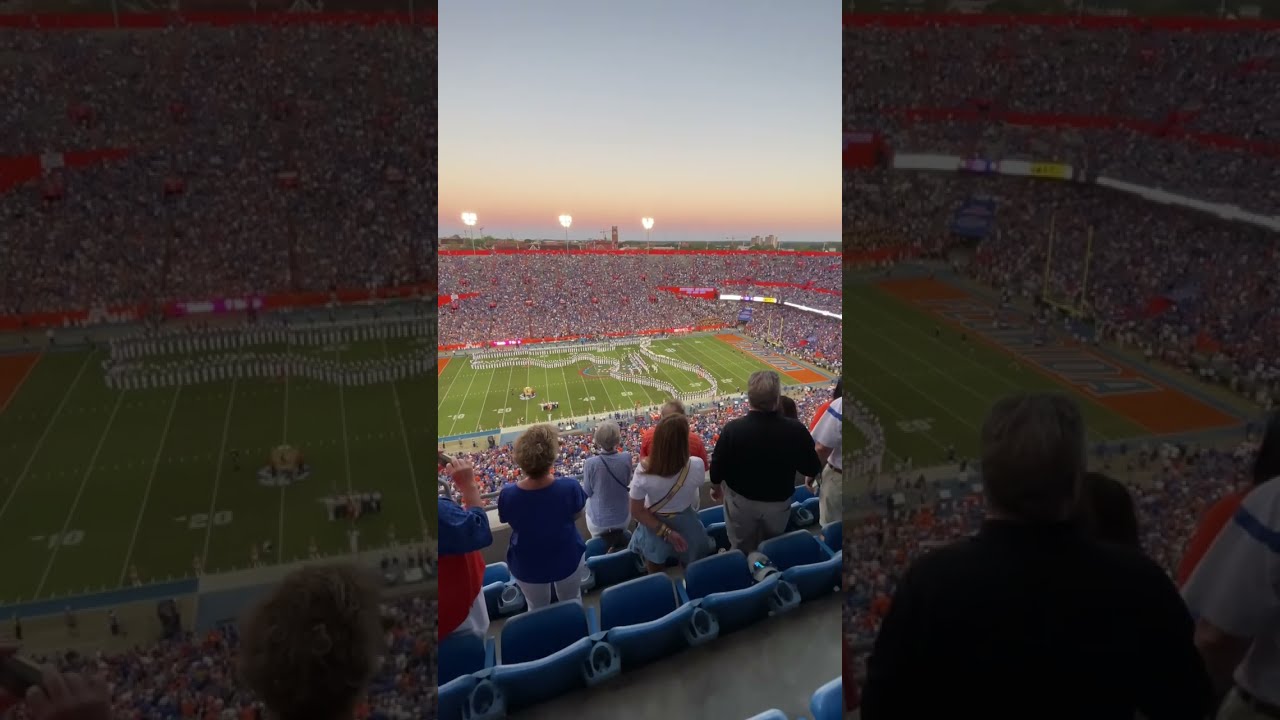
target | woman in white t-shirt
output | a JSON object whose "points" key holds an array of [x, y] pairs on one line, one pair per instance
{"points": [[663, 494]]}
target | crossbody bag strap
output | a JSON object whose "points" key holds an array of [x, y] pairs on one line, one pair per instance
{"points": [[675, 488]]}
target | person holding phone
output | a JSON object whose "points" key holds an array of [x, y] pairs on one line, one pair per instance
{"points": [[464, 532]]}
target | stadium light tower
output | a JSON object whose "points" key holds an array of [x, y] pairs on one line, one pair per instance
{"points": [[648, 225], [565, 222], [469, 219]]}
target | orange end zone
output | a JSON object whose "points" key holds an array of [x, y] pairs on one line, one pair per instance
{"points": [[14, 370], [440, 365], [1164, 411], [797, 373]]}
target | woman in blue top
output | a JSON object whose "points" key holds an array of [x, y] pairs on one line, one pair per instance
{"points": [[546, 548], [606, 478]]}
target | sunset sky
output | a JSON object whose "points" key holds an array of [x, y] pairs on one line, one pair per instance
{"points": [[717, 118]]}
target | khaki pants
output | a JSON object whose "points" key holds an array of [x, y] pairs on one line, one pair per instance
{"points": [[1234, 708], [830, 496], [750, 522]]}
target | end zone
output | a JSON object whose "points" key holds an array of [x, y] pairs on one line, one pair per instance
{"points": [[441, 363], [781, 363], [14, 370], [1119, 387]]}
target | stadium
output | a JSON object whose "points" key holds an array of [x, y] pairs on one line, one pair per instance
{"points": [[574, 343], [212, 357], [1079, 203]]}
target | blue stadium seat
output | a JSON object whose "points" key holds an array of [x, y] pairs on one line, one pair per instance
{"points": [[827, 702], [833, 536], [646, 620], [801, 517], [713, 520], [463, 654], [722, 584], [546, 653], [802, 494], [453, 702], [805, 562], [596, 546], [814, 506], [612, 568], [502, 596], [770, 715]]}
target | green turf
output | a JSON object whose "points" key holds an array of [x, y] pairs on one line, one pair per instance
{"points": [[930, 392], [476, 400], [94, 480]]}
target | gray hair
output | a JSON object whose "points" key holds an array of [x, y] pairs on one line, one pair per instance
{"points": [[763, 390], [1033, 456], [608, 435]]}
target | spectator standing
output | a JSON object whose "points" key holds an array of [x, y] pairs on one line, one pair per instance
{"points": [[310, 649], [1265, 467], [663, 491], [546, 547], [755, 462], [826, 437], [605, 479], [697, 448], [1235, 592], [1030, 618], [1107, 511], [464, 532]]}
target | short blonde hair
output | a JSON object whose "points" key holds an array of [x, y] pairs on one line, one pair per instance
{"points": [[536, 449]]}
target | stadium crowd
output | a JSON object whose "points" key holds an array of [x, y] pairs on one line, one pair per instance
{"points": [[1187, 111], [529, 294], [240, 146], [204, 676], [497, 467]]}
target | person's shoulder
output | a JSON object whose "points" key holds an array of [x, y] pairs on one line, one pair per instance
{"points": [[696, 464]]}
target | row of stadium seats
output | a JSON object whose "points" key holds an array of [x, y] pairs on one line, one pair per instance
{"points": [[826, 704], [564, 647]]}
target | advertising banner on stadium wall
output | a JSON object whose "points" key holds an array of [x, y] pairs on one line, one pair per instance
{"points": [[642, 251], [697, 292], [455, 297], [861, 149], [217, 305], [570, 338]]}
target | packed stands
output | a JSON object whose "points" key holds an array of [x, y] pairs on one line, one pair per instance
{"points": [[526, 294], [156, 152], [1189, 111]]}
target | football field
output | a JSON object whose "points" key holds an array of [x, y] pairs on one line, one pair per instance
{"points": [[906, 360], [94, 481], [475, 400]]}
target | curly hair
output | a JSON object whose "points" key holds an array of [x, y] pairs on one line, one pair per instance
{"points": [[310, 648], [536, 449]]}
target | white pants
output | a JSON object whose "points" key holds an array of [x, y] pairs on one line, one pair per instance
{"points": [[830, 496], [539, 594]]}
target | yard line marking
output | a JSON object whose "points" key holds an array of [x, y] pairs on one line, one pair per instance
{"points": [[480, 420], [404, 435], [155, 465], [346, 444], [23, 381], [466, 393], [75, 503], [919, 392], [44, 436], [217, 478], [284, 438], [452, 381]]}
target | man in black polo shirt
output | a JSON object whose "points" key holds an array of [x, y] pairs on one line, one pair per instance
{"points": [[1029, 619], [755, 462]]}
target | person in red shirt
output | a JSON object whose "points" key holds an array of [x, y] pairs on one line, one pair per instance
{"points": [[463, 532], [696, 447], [1265, 467]]}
